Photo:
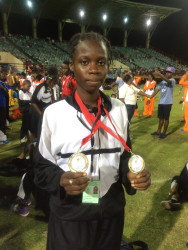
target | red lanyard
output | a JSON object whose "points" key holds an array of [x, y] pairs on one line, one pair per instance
{"points": [[91, 119]]}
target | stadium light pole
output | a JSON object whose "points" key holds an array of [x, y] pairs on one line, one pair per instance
{"points": [[34, 20], [148, 37], [82, 15], [60, 30], [6, 8], [104, 18], [125, 20]]}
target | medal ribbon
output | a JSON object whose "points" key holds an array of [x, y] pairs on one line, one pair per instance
{"points": [[95, 122]]}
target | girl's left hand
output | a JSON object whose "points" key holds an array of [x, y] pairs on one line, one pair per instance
{"points": [[140, 181]]}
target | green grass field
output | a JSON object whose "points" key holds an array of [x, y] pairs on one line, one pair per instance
{"points": [[145, 219]]}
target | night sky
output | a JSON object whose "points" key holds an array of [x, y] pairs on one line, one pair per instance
{"points": [[170, 36]]}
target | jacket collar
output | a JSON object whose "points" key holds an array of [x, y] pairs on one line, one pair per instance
{"points": [[106, 102]]}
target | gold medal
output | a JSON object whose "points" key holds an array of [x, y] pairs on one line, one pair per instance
{"points": [[78, 162], [136, 164]]}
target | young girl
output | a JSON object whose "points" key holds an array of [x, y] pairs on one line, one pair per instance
{"points": [[42, 97], [68, 82], [24, 100], [84, 122], [149, 88]]}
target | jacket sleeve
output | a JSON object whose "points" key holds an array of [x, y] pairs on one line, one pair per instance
{"points": [[47, 172]]}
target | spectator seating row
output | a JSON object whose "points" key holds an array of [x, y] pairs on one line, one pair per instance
{"points": [[54, 53]]}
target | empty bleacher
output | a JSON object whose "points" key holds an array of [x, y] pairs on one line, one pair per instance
{"points": [[54, 53]]}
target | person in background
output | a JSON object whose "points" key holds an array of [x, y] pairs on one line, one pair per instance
{"points": [[29, 75], [178, 191], [42, 97], [113, 96], [166, 87], [184, 82], [68, 82], [38, 79], [118, 81], [3, 112], [149, 88], [128, 95], [24, 101], [32, 88], [136, 81], [11, 87], [22, 79]]}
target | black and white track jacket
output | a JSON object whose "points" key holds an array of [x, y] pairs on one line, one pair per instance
{"points": [[63, 129], [24, 100]]}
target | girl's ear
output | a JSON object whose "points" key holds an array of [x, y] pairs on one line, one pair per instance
{"points": [[71, 66]]}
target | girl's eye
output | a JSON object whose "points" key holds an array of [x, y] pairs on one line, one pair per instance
{"points": [[84, 62], [101, 63]]}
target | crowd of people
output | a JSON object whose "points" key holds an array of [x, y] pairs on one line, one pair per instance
{"points": [[67, 119]]}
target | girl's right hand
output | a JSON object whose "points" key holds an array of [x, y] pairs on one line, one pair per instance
{"points": [[74, 183]]}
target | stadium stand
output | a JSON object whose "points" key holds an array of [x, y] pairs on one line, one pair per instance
{"points": [[50, 52], [6, 46], [145, 58], [43, 52]]}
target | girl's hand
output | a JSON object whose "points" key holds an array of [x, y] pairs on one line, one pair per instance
{"points": [[148, 102], [74, 183], [140, 181]]}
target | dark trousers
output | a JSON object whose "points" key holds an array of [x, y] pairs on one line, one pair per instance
{"points": [[103, 234], [2, 119], [28, 183], [25, 125], [182, 180], [130, 111]]}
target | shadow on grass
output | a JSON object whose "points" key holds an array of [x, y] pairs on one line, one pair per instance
{"points": [[175, 127], [9, 238], [157, 221], [42, 218], [8, 196]]}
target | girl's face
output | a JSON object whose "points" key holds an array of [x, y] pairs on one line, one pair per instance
{"points": [[51, 84], [90, 65], [26, 87], [65, 69], [150, 78]]}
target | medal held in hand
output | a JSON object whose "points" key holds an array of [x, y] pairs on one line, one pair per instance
{"points": [[78, 162], [136, 164]]}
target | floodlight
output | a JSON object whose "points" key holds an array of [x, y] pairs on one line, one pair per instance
{"points": [[82, 13], [148, 22], [104, 17], [125, 20], [29, 3]]}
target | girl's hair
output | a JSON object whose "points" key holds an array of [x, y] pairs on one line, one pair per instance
{"points": [[26, 82], [52, 74], [151, 74], [66, 62], [77, 38], [127, 78], [38, 77]]}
